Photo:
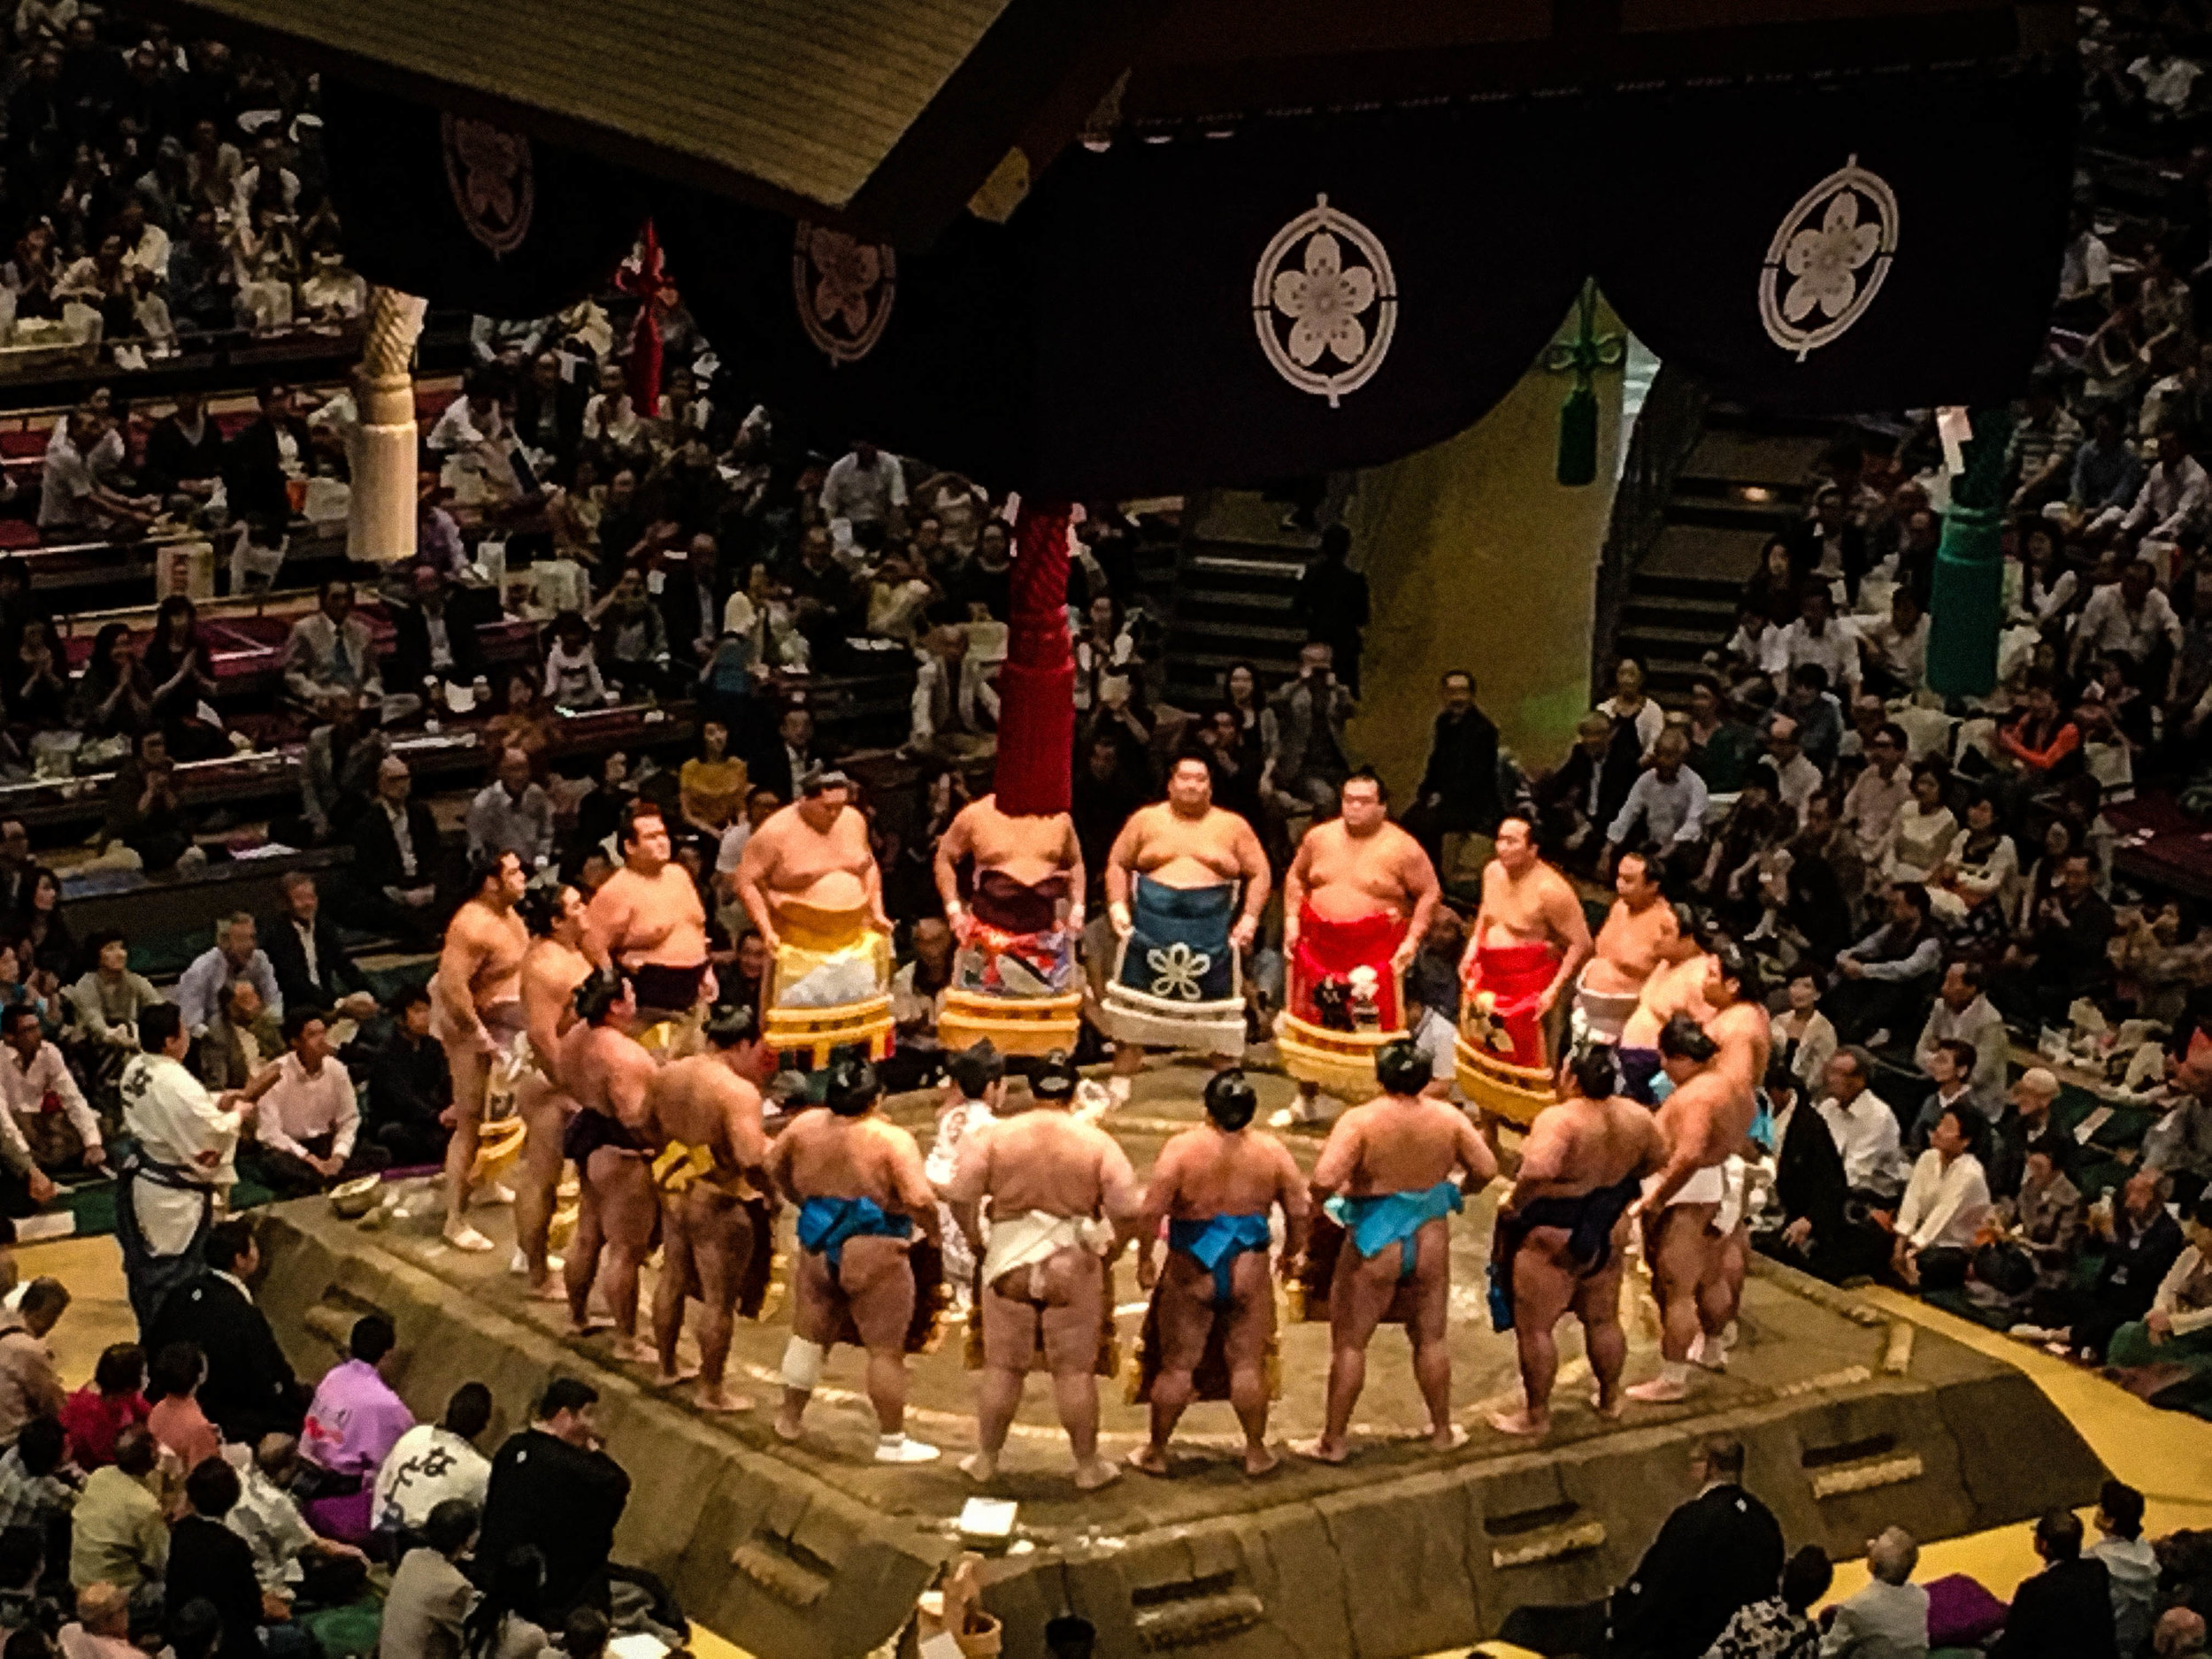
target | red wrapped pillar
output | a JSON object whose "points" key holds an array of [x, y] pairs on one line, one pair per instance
{"points": [[1036, 684]]}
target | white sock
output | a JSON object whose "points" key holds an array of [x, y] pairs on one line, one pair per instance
{"points": [[1120, 1088]]}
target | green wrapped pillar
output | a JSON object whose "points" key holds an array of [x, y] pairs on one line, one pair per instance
{"points": [[1965, 610]]}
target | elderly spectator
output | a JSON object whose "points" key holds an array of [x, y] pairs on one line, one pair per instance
{"points": [[1863, 1126], [330, 651], [951, 702], [338, 771], [101, 1627], [307, 1123], [117, 1534], [2177, 1330], [1307, 767], [1781, 1626], [1668, 801], [74, 503], [46, 1110], [432, 1462], [1961, 1013], [313, 968], [430, 1595], [107, 1000], [242, 1040], [104, 1408], [396, 854], [29, 1385], [511, 814], [1888, 1619], [2140, 1242], [234, 956], [2040, 1229], [1796, 778], [2024, 1121], [293, 1562]]}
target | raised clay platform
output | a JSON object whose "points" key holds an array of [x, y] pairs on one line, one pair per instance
{"points": [[1853, 1424]]}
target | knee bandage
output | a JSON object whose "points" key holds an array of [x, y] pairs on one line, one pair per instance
{"points": [[803, 1362]]}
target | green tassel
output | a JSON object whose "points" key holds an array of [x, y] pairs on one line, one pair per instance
{"points": [[1578, 438]]}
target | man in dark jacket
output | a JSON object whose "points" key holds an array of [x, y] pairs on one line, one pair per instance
{"points": [[210, 1562], [259, 461], [312, 966], [2140, 1241], [2065, 1611], [396, 856], [250, 1390], [435, 636], [1817, 1233], [1719, 1552], [553, 1487], [1461, 791], [1579, 801], [184, 451]]}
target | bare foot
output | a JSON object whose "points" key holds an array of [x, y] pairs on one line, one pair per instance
{"points": [[667, 1379], [1522, 1422], [549, 1289], [1150, 1459], [1609, 1412], [1322, 1450], [1089, 1477], [589, 1327], [1659, 1392], [1448, 1438], [980, 1467], [1260, 1460], [634, 1349], [787, 1428], [716, 1398]]}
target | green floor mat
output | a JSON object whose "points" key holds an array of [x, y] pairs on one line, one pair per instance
{"points": [[350, 1631]]}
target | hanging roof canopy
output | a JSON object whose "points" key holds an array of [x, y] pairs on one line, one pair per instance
{"points": [[887, 117]]}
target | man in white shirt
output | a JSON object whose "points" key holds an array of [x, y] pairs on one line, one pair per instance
{"points": [[2131, 615], [36, 1087], [268, 1517], [188, 1141], [864, 488], [432, 1463], [1871, 806], [73, 502], [1667, 797], [1759, 646], [946, 701], [1962, 1014], [1948, 1197], [1818, 637], [1795, 778], [512, 815], [309, 1118], [235, 956], [1863, 1126], [2085, 270], [2172, 500], [1888, 1619]]}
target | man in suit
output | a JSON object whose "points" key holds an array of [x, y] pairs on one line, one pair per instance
{"points": [[313, 968], [184, 451], [548, 418], [554, 1488], [1811, 1192], [1580, 799], [331, 652], [396, 857], [1719, 1552], [1308, 765], [250, 1390], [430, 1595], [208, 1562], [259, 462], [785, 757], [433, 636], [2065, 1611]]}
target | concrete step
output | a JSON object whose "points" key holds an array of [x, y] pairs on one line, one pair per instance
{"points": [[1650, 642], [1240, 567], [1240, 629], [1679, 611], [1692, 549], [1709, 590], [1754, 457], [1255, 603]]}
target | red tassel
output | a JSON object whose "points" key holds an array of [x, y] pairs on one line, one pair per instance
{"points": [[1036, 720]]}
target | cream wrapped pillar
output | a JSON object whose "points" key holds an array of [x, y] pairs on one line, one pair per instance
{"points": [[381, 525]]}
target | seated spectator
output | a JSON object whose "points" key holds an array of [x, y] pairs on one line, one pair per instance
{"points": [[1884, 977], [952, 705], [1864, 1128], [1893, 651], [1665, 809], [511, 814], [918, 998], [2040, 1229], [353, 1422], [1723, 744], [1888, 1619], [409, 1085], [1923, 833], [34, 1486], [2140, 1243], [1804, 1038], [1951, 1068], [1780, 1627], [2129, 1562], [1944, 1205], [431, 639], [780, 762], [331, 653], [2042, 745], [25, 1609], [2177, 1329], [526, 724], [396, 856], [1961, 1013], [143, 811], [1796, 778], [209, 1562], [46, 1110], [118, 1534], [1817, 639], [1878, 795], [572, 680], [41, 930], [500, 1626], [74, 503], [313, 968], [435, 1461], [176, 1421], [114, 698], [234, 956], [104, 1408], [1578, 801], [29, 1384], [307, 1123], [1811, 1224], [241, 1043], [1819, 717], [2024, 1122], [2061, 953], [553, 1487], [292, 1562], [633, 640], [430, 1597], [108, 999], [184, 451], [103, 1625], [249, 1390], [2064, 1611], [337, 773]]}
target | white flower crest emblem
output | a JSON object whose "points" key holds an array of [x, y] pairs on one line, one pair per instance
{"points": [[844, 288], [1835, 266], [1176, 969], [1325, 321]]}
